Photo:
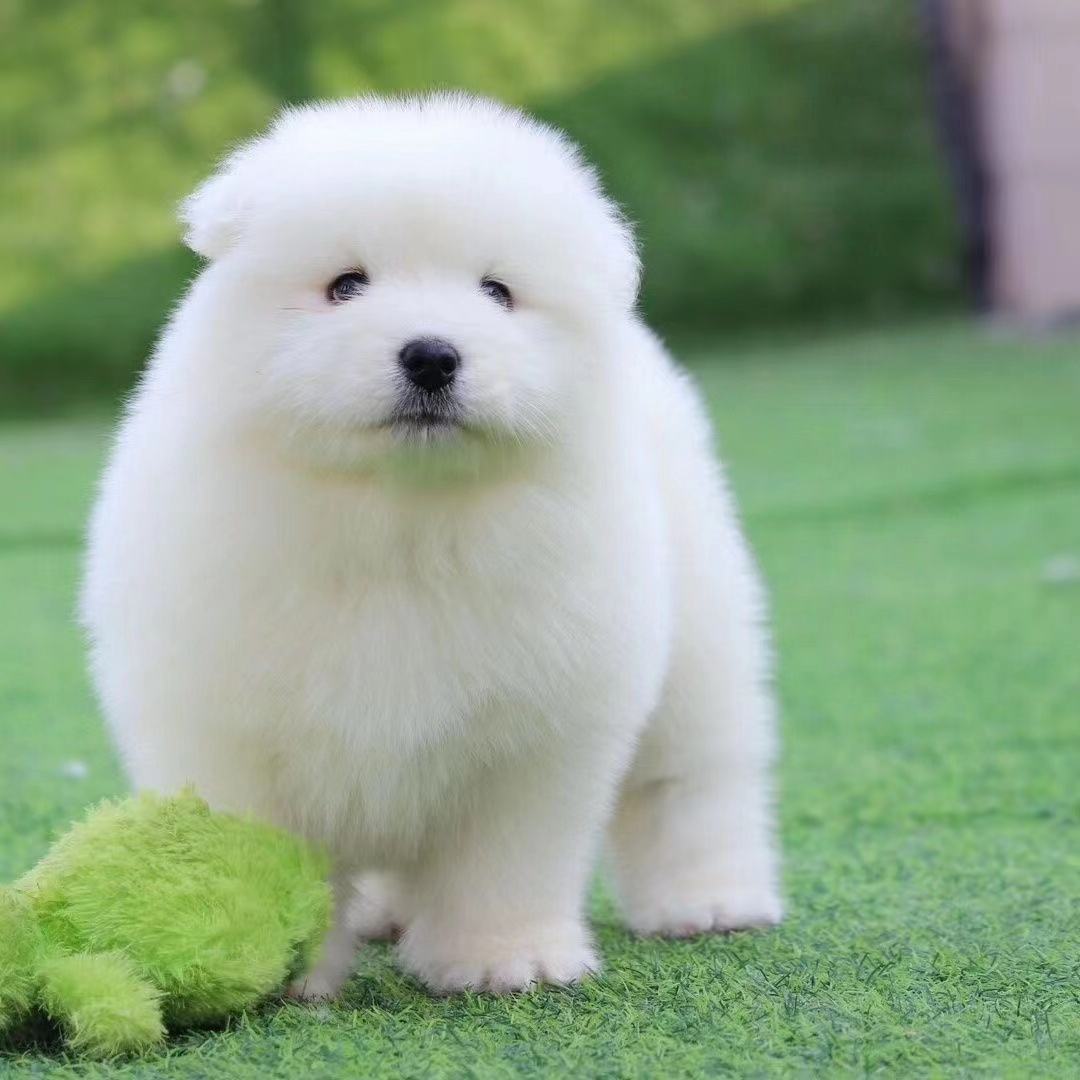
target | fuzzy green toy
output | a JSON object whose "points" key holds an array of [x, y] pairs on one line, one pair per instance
{"points": [[157, 913]]}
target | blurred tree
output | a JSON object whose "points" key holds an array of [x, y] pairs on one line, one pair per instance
{"points": [[775, 154], [955, 32], [279, 50]]}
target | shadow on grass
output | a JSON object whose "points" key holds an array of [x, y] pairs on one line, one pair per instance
{"points": [[957, 495], [34, 1037], [57, 540]]}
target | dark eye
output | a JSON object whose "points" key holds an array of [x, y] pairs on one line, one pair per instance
{"points": [[497, 291], [347, 286]]}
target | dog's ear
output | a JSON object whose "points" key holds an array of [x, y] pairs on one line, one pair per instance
{"points": [[213, 214]]}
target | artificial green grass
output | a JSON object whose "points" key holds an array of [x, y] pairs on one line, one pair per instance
{"points": [[777, 155], [915, 501]]}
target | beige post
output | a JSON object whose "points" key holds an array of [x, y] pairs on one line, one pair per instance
{"points": [[1028, 64]]}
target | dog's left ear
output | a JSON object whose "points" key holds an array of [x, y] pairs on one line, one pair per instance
{"points": [[214, 212]]}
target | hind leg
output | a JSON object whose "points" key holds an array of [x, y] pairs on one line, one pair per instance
{"points": [[338, 955], [378, 911], [691, 840], [693, 857]]}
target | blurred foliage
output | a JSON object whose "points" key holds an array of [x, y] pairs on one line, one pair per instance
{"points": [[775, 153]]}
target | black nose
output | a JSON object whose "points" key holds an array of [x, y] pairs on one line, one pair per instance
{"points": [[429, 363]]}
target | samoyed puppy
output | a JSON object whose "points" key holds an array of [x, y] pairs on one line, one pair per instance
{"points": [[413, 541]]}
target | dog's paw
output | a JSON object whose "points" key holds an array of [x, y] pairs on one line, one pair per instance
{"points": [[324, 981], [447, 961], [314, 987], [713, 911]]}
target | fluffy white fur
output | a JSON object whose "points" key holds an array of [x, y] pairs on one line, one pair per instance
{"points": [[458, 655]]}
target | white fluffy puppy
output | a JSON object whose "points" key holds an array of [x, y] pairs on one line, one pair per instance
{"points": [[412, 541]]}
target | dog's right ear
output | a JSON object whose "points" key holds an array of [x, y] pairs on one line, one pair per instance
{"points": [[214, 212]]}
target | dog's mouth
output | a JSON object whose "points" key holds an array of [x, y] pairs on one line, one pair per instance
{"points": [[424, 425], [426, 416]]}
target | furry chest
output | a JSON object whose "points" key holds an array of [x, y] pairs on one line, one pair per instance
{"points": [[399, 669], [398, 705]]}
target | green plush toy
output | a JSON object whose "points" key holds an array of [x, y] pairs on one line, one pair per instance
{"points": [[156, 913]]}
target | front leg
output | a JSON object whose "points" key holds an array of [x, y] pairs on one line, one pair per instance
{"points": [[498, 903]]}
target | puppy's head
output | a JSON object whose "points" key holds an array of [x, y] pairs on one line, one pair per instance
{"points": [[409, 277]]}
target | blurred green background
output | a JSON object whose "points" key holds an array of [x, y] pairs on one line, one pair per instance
{"points": [[777, 155]]}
